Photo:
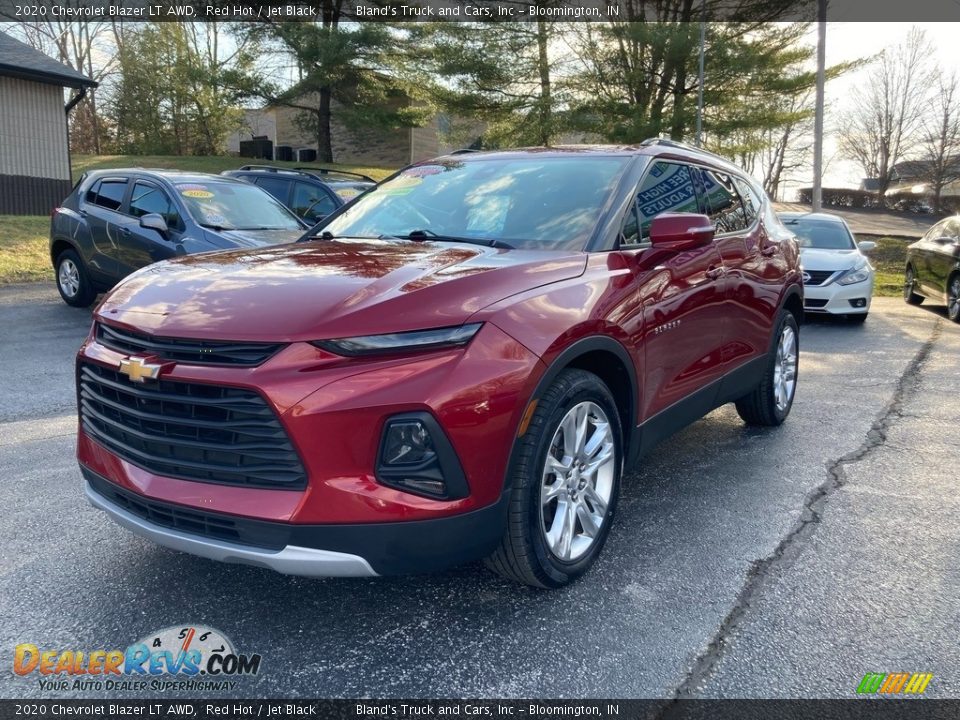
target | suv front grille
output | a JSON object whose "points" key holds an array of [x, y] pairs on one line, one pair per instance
{"points": [[195, 352], [189, 430], [818, 277]]}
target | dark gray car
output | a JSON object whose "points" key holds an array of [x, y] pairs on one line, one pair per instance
{"points": [[117, 221], [933, 267]]}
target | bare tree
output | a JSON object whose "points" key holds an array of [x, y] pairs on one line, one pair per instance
{"points": [[882, 124], [940, 152], [86, 47]]}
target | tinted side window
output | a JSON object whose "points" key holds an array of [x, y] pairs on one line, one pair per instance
{"points": [[278, 187], [311, 202], [147, 199], [667, 187], [750, 199], [726, 210], [108, 194], [91, 194]]}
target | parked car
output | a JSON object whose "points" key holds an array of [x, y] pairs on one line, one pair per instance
{"points": [[311, 193], [837, 276], [458, 366], [933, 267], [117, 221]]}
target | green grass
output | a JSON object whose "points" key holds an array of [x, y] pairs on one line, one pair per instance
{"points": [[889, 259], [23, 249], [207, 164]]}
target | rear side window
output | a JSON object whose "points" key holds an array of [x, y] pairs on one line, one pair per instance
{"points": [[107, 194], [311, 202], [726, 210], [278, 187], [667, 188], [146, 199], [749, 198]]}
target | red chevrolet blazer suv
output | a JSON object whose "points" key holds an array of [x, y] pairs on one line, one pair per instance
{"points": [[458, 365]]}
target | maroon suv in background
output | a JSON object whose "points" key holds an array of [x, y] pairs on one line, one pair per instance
{"points": [[459, 366]]}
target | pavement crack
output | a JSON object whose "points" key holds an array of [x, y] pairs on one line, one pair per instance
{"points": [[813, 507]]}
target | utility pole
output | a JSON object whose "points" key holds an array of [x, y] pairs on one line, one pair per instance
{"points": [[703, 37], [818, 117]]}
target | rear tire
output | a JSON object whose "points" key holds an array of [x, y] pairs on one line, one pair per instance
{"points": [[909, 282], [73, 280], [564, 481], [769, 403], [953, 298]]}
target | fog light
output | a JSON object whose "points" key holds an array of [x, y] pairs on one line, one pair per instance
{"points": [[416, 456], [858, 302], [407, 443]]}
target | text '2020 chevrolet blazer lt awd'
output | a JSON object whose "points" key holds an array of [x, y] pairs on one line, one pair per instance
{"points": [[459, 365]]}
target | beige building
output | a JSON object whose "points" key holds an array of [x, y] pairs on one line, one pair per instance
{"points": [[34, 142], [352, 145]]}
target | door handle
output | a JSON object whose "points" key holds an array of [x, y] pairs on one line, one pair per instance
{"points": [[714, 273], [768, 250]]}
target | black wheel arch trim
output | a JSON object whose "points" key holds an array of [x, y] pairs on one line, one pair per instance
{"points": [[71, 245], [561, 362], [791, 291]]}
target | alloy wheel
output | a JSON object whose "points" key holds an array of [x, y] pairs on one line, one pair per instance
{"points": [[785, 368], [577, 481], [908, 284], [69, 277]]}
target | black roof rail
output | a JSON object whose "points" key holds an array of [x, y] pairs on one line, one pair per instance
{"points": [[334, 171], [464, 151], [666, 142], [269, 168], [310, 171]]}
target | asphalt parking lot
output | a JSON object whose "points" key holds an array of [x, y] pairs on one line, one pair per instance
{"points": [[743, 562]]}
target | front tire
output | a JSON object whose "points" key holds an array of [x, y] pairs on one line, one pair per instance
{"points": [[565, 481], [909, 282], [73, 280], [858, 319], [769, 403], [953, 298]]}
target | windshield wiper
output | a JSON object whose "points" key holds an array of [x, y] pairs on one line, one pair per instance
{"points": [[422, 235], [213, 226]]}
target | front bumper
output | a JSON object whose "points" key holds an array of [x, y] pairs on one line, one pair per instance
{"points": [[356, 550], [835, 299]]}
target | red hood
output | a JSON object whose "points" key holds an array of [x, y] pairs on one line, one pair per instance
{"points": [[327, 289]]}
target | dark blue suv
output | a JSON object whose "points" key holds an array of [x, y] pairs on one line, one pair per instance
{"points": [[312, 193], [117, 221]]}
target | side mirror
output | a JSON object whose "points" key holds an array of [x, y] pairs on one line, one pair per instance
{"points": [[866, 245], [680, 231], [155, 221]]}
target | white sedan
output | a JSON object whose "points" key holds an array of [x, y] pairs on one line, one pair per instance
{"points": [[837, 276]]}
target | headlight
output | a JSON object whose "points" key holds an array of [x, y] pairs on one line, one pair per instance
{"points": [[856, 274], [398, 342]]}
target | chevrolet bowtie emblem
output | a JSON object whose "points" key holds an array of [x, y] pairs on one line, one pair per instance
{"points": [[138, 369]]}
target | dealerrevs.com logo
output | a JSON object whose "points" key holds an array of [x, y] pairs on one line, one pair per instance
{"points": [[181, 657]]}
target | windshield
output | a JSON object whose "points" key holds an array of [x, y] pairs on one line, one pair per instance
{"points": [[821, 234], [235, 206], [531, 202]]}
